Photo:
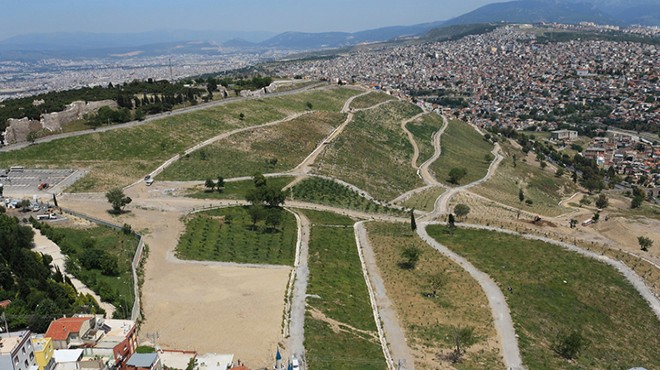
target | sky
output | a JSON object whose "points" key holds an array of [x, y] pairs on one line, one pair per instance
{"points": [[119, 16]]}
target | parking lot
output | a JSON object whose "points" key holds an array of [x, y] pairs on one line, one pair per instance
{"points": [[27, 181]]}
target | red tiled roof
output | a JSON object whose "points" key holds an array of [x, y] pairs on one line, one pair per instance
{"points": [[241, 367], [59, 329], [5, 303]]}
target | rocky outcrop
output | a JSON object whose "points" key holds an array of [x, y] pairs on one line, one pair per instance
{"points": [[18, 130]]}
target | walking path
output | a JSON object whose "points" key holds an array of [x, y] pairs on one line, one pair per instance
{"points": [[214, 139], [301, 274], [47, 246], [496, 300], [442, 203], [634, 279], [383, 308], [411, 139], [423, 171]]}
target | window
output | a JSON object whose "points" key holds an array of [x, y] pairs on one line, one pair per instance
{"points": [[23, 350], [31, 355]]}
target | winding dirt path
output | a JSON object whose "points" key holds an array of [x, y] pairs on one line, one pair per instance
{"points": [[392, 332], [411, 139], [301, 275], [442, 203], [496, 300]]}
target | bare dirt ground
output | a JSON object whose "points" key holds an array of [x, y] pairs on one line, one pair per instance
{"points": [[206, 308]]}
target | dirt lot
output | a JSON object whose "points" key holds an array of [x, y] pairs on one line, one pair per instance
{"points": [[192, 306]]}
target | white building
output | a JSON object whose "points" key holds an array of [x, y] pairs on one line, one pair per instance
{"points": [[16, 352]]}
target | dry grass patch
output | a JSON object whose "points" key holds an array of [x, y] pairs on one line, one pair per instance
{"points": [[428, 321], [425, 200], [270, 149], [462, 146], [541, 186], [371, 99], [373, 153]]}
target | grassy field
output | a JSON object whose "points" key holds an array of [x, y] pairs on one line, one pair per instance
{"points": [[423, 129], [119, 157], [73, 241], [424, 201], [373, 153], [369, 100], [340, 332], [555, 291], [270, 149], [462, 146], [237, 189], [210, 237], [541, 186], [328, 192], [429, 321]]}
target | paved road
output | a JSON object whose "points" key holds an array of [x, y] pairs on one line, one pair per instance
{"points": [[47, 246], [298, 300], [496, 300], [393, 331], [12, 147]]}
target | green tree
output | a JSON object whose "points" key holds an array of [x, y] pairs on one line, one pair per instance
{"points": [[309, 105], [241, 116], [636, 201], [602, 202], [259, 180], [463, 338], [413, 223], [644, 243], [451, 222], [461, 210], [410, 257], [273, 217], [437, 281], [521, 195], [569, 345], [220, 185], [117, 199], [257, 213], [560, 172], [210, 185], [456, 174]]}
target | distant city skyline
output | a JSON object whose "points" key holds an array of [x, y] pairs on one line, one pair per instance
{"points": [[120, 16]]}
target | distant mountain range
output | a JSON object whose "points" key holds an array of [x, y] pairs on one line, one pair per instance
{"points": [[615, 12], [80, 44]]}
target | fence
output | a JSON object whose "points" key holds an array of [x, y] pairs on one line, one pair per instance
{"points": [[135, 264]]}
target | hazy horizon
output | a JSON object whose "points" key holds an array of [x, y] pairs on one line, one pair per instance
{"points": [[123, 16]]}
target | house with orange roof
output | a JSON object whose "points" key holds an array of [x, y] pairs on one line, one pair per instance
{"points": [[115, 339], [67, 332]]}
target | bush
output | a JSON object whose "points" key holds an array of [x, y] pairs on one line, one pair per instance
{"points": [[568, 346]]}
